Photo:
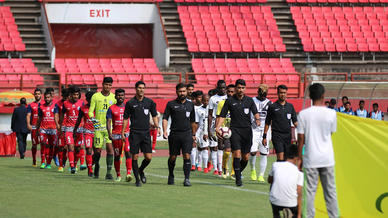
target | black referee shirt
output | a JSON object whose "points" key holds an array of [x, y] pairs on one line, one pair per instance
{"points": [[240, 111], [281, 116], [139, 113], [182, 115]]}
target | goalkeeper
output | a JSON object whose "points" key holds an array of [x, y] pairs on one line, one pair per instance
{"points": [[99, 105]]}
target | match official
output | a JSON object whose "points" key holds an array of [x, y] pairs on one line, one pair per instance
{"points": [[182, 132]]}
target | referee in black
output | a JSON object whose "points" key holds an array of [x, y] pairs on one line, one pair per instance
{"points": [[240, 107], [138, 110], [279, 117], [182, 132]]}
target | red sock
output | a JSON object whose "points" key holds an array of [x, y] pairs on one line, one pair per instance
{"points": [[82, 156], [128, 163], [42, 153], [49, 154], [71, 158], [76, 158], [117, 167], [55, 151], [64, 157], [33, 151], [60, 157], [89, 162]]}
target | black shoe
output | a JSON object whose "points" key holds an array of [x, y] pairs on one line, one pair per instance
{"points": [[109, 177], [142, 177], [72, 170], [239, 182], [170, 180], [90, 174], [186, 182], [96, 171], [138, 183]]}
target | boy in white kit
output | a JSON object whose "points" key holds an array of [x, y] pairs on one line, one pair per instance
{"points": [[201, 116]]}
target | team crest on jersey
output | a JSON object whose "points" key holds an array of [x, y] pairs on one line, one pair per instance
{"points": [[146, 111], [246, 110], [187, 113], [110, 102]]}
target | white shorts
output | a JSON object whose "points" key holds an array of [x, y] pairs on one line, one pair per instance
{"points": [[202, 143], [257, 138]]}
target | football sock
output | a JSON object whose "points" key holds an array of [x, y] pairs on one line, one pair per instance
{"points": [[42, 153], [236, 166], [144, 164], [263, 164], [243, 164], [96, 159], [219, 159], [89, 162], [60, 157], [205, 157], [252, 162], [171, 166], [128, 163], [71, 158], [117, 165], [186, 168], [225, 159], [135, 169], [55, 151], [33, 151], [200, 158], [193, 156], [109, 163], [64, 158], [49, 155], [214, 159], [82, 156], [76, 157]]}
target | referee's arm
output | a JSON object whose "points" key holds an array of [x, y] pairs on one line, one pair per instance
{"points": [[125, 120], [166, 115], [268, 121], [294, 117], [194, 125], [255, 113]]}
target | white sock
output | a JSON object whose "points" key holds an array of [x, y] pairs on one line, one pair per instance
{"points": [[205, 157], [193, 156], [220, 153], [214, 159], [252, 162], [263, 164], [199, 160]]}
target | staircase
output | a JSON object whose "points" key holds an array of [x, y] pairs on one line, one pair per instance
{"points": [[180, 59], [27, 14]]}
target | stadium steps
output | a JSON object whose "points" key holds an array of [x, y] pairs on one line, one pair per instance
{"points": [[180, 59], [27, 15]]}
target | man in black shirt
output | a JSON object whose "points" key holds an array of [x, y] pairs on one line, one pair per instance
{"points": [[240, 107], [182, 131], [137, 110], [279, 117]]}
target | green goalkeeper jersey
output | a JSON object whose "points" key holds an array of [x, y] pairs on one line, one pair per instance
{"points": [[99, 106]]}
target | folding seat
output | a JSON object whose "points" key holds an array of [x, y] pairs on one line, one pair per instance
{"points": [[362, 47], [340, 47], [384, 46]]}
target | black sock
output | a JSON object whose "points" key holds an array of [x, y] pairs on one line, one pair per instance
{"points": [[144, 164], [186, 168], [135, 169], [237, 169], [96, 158], [171, 166], [243, 164]]}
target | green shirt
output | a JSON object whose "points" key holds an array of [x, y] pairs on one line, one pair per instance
{"points": [[99, 105]]}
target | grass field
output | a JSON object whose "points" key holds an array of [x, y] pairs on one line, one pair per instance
{"points": [[30, 192]]}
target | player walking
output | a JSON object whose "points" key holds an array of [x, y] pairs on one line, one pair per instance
{"points": [[61, 142], [32, 118], [201, 116]]}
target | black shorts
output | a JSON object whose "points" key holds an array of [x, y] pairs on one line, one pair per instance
{"points": [[224, 144], [281, 141], [140, 140], [241, 139], [178, 141], [276, 211]]}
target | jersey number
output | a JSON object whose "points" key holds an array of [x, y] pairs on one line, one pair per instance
{"points": [[105, 106]]}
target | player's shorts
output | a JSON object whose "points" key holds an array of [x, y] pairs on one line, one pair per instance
{"points": [[34, 137], [178, 141], [48, 137], [69, 138], [99, 137], [281, 141], [79, 139], [257, 145], [212, 143], [140, 141], [118, 146], [223, 144], [202, 143], [241, 139], [88, 140]]}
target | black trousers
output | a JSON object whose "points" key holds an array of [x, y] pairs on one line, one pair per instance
{"points": [[22, 142]]}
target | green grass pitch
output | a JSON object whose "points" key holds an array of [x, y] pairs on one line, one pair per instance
{"points": [[31, 192]]}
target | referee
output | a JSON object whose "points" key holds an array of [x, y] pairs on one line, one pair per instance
{"points": [[279, 117], [138, 110], [240, 107], [182, 132]]}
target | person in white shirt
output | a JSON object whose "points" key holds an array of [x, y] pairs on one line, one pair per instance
{"points": [[201, 116], [286, 185], [197, 99], [316, 125]]}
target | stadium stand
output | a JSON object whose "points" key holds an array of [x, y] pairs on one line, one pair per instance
{"points": [[9, 34], [92, 69], [338, 1], [221, 1], [13, 70], [230, 29], [342, 29]]}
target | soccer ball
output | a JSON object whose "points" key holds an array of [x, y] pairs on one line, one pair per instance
{"points": [[226, 132]]}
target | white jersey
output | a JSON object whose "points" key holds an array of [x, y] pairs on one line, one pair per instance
{"points": [[262, 108], [201, 114], [213, 103]]}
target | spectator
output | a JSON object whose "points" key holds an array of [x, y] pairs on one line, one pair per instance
{"points": [[376, 114], [361, 111], [19, 126], [344, 100], [333, 103], [348, 109]]}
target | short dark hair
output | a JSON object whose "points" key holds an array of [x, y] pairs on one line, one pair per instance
{"points": [[179, 86], [23, 101], [89, 94], [38, 90], [107, 79], [348, 102], [212, 92], [49, 89], [281, 87], [333, 101], [292, 152], [220, 82], [138, 83], [47, 93], [361, 101], [65, 92], [316, 91], [117, 91], [240, 82], [375, 104], [74, 89], [345, 97], [230, 86], [197, 93], [188, 85], [327, 102]]}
